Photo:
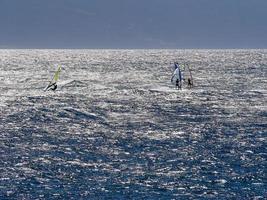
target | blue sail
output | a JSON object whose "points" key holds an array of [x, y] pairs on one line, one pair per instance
{"points": [[178, 71], [176, 65], [180, 74]]}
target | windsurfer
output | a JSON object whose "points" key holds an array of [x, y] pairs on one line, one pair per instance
{"points": [[177, 76], [53, 83], [178, 84], [55, 87], [52, 86], [189, 82]]}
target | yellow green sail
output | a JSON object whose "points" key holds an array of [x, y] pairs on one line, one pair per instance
{"points": [[56, 76]]}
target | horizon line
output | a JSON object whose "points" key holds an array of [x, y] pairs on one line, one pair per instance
{"points": [[1, 48]]}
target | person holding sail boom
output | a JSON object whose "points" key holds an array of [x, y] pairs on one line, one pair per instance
{"points": [[53, 86], [189, 82], [190, 78]]}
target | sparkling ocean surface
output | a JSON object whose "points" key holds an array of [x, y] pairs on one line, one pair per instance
{"points": [[117, 129]]}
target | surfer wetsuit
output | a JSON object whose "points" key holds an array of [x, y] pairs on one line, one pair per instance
{"points": [[54, 88], [189, 82], [177, 84]]}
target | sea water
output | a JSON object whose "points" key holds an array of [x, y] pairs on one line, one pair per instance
{"points": [[116, 128]]}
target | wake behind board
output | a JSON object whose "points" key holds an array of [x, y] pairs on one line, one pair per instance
{"points": [[167, 89]]}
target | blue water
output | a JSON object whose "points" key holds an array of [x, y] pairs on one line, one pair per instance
{"points": [[117, 129]]}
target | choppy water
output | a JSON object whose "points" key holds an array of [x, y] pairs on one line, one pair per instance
{"points": [[117, 129]]}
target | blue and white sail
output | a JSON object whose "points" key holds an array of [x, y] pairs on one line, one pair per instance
{"points": [[177, 75]]}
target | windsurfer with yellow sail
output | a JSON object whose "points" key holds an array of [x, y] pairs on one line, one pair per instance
{"points": [[53, 83]]}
